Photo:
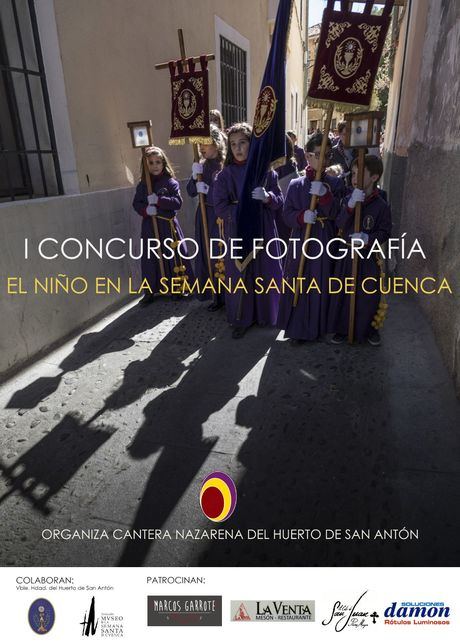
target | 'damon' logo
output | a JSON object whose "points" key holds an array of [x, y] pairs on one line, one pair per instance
{"points": [[89, 625]]}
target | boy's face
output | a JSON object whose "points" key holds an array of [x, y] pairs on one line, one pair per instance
{"points": [[369, 179], [208, 151], [239, 146], [155, 163], [313, 157]]}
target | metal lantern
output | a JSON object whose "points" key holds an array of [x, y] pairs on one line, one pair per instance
{"points": [[363, 129], [141, 133]]}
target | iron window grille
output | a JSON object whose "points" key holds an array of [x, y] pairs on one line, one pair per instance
{"points": [[29, 164], [233, 82]]}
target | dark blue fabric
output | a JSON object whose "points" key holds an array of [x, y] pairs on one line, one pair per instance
{"points": [[271, 145]]}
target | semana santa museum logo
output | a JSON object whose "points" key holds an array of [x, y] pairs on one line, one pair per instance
{"points": [[41, 616], [292, 610], [218, 497], [104, 625]]}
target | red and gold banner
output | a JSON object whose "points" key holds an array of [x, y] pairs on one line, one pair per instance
{"points": [[190, 102], [348, 55]]}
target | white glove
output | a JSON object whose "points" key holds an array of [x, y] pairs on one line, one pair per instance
{"points": [[202, 187], [197, 168], [260, 194], [152, 199], [363, 236], [356, 195], [151, 211], [309, 216], [318, 188]]}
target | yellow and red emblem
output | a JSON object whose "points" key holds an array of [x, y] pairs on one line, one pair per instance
{"points": [[218, 496], [265, 110]]}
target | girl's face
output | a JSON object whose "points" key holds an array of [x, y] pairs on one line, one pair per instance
{"points": [[239, 145], [155, 163], [208, 151]]}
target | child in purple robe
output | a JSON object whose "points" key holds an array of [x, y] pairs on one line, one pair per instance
{"points": [[245, 309], [286, 173], [213, 157], [307, 321], [162, 205], [375, 225]]}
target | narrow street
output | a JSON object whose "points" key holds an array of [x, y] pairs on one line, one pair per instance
{"points": [[118, 429]]}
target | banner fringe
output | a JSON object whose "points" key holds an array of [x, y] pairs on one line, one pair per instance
{"points": [[205, 140], [323, 104]]}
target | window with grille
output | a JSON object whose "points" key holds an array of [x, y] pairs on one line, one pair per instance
{"points": [[233, 82], [29, 165]]}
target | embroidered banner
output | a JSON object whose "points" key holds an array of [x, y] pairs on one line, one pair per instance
{"points": [[349, 50], [190, 102], [268, 142]]}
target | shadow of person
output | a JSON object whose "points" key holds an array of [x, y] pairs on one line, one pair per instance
{"points": [[116, 336], [314, 456], [170, 359], [174, 423], [44, 469]]}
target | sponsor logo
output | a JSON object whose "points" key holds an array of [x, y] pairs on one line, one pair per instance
{"points": [[184, 610], [356, 615], [218, 497], [273, 611], [41, 616], [417, 613], [110, 625]]}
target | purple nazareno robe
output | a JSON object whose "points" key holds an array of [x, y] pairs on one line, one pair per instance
{"points": [[260, 308], [169, 202], [376, 222], [211, 167], [308, 319]]}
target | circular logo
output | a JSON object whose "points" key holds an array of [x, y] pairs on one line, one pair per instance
{"points": [[186, 103], [368, 222], [348, 57], [265, 110], [218, 497], [41, 616]]}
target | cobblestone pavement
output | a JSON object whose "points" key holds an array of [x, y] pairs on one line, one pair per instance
{"points": [[117, 430]]}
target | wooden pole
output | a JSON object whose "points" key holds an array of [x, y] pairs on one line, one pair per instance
{"points": [[314, 198], [196, 158], [156, 232], [357, 227]]}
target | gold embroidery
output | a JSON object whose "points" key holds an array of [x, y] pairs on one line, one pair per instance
{"points": [[176, 87], [336, 29], [177, 124], [198, 122], [371, 34], [326, 81], [198, 85], [186, 104], [265, 110], [360, 84], [348, 57]]}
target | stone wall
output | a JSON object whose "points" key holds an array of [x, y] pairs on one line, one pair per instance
{"points": [[34, 323], [430, 205]]}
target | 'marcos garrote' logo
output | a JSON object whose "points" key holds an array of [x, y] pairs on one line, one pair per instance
{"points": [[218, 496]]}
